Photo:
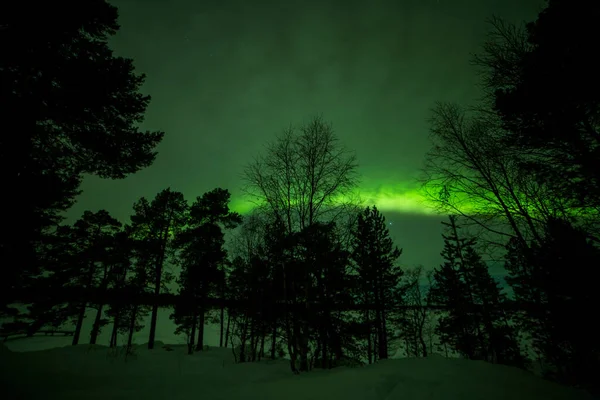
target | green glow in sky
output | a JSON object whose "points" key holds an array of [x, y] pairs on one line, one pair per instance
{"points": [[388, 198], [226, 77]]}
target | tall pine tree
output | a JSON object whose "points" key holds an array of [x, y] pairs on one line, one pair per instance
{"points": [[374, 256], [155, 225], [70, 107], [475, 324]]}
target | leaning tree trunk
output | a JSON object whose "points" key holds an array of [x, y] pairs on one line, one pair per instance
{"points": [[96, 326], [79, 324], [83, 306], [115, 329], [132, 326]]}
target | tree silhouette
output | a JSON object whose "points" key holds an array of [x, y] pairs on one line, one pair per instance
{"points": [[202, 256], [302, 179], [122, 261], [558, 122], [328, 262], [374, 255], [475, 324], [155, 224], [414, 321], [90, 266], [556, 284], [73, 109]]}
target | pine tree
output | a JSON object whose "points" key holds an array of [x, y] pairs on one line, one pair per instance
{"points": [[555, 283], [154, 226], [128, 280], [202, 256], [413, 320], [324, 262], [90, 269], [374, 255], [475, 324], [71, 107]]}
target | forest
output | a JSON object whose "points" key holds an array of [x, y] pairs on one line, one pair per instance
{"points": [[311, 273]]}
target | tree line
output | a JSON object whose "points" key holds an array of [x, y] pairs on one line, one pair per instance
{"points": [[310, 273]]}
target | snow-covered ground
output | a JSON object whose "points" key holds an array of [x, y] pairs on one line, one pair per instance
{"points": [[95, 372]]}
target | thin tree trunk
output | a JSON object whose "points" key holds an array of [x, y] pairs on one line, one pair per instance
{"points": [[193, 333], [157, 282], [131, 326], [115, 329], [274, 342], [423, 345], [200, 341], [243, 339], [227, 330], [80, 318], [222, 325], [316, 355], [252, 355], [303, 347], [261, 353], [369, 344], [384, 338], [375, 346], [153, 319], [96, 326], [292, 338], [83, 306], [325, 363]]}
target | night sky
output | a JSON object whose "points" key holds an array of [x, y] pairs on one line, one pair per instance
{"points": [[226, 76]]}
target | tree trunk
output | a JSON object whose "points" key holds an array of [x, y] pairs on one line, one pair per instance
{"points": [[375, 347], [292, 338], [131, 326], [261, 352], [193, 333], [252, 355], [369, 344], [303, 347], [96, 327], [383, 344], [222, 325], [157, 280], [80, 318], [316, 356], [274, 342], [81, 315], [325, 364], [243, 339], [227, 330], [115, 329], [421, 338], [200, 341]]}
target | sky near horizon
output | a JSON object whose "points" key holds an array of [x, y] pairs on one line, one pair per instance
{"points": [[226, 76]]}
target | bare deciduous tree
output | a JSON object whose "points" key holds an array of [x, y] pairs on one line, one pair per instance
{"points": [[468, 172], [305, 176]]}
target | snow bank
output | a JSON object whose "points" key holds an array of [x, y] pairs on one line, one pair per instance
{"points": [[96, 372]]}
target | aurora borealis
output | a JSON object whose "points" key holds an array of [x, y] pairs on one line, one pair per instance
{"points": [[226, 76]]}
